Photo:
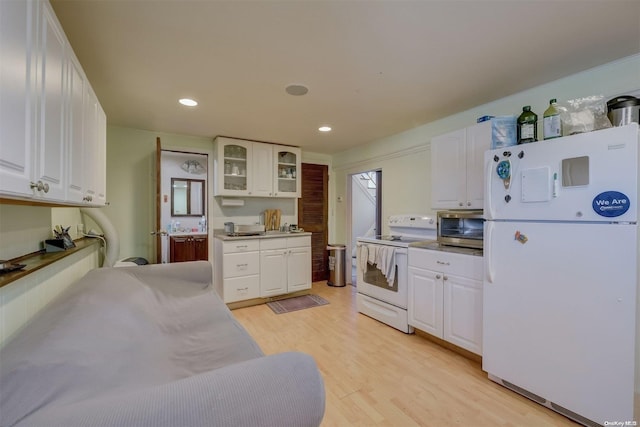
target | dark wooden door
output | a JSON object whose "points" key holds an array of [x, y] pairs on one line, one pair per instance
{"points": [[313, 216]]}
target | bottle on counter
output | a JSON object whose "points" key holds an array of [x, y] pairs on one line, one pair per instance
{"points": [[551, 127], [527, 130]]}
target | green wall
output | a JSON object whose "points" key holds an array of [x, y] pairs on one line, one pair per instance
{"points": [[404, 158]]}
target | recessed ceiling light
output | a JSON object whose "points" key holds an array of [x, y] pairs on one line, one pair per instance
{"points": [[188, 102], [296, 90], [324, 128]]}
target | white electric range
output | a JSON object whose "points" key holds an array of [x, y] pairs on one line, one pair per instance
{"points": [[382, 269]]}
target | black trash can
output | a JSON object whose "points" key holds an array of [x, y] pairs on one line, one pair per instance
{"points": [[336, 265]]}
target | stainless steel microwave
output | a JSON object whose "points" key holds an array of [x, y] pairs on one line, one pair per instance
{"points": [[460, 228]]}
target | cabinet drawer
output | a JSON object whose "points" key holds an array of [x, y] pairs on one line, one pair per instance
{"points": [[241, 288], [241, 264], [241, 246], [268, 244], [470, 266], [298, 242]]}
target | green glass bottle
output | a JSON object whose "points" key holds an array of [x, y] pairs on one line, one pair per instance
{"points": [[527, 126], [551, 127]]}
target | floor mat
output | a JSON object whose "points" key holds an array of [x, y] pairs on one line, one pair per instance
{"points": [[296, 303]]}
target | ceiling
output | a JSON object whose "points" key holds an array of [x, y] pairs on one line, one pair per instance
{"points": [[373, 68]]}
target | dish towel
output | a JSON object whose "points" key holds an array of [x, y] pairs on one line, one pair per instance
{"points": [[362, 256], [386, 263], [372, 254]]}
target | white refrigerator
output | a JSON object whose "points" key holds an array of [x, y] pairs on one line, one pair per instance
{"points": [[561, 273]]}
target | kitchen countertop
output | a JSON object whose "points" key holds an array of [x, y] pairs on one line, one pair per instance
{"points": [[188, 233], [220, 234], [435, 246]]}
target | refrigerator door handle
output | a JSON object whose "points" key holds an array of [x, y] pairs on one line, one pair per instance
{"points": [[489, 214], [488, 238]]}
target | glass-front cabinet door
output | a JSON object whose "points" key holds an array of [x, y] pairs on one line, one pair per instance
{"points": [[287, 169], [233, 160]]}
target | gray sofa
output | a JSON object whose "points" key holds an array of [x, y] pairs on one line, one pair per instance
{"points": [[150, 346]]}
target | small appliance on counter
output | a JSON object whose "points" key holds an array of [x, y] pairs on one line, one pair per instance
{"points": [[232, 229], [463, 228]]}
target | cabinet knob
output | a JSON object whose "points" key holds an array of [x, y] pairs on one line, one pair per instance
{"points": [[438, 276], [445, 277], [460, 204], [468, 203], [40, 186]]}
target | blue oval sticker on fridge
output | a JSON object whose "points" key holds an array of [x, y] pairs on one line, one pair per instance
{"points": [[611, 204]]}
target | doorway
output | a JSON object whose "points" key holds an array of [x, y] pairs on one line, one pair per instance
{"points": [[183, 205], [366, 209]]}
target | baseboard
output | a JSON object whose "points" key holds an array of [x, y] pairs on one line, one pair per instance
{"points": [[446, 344]]}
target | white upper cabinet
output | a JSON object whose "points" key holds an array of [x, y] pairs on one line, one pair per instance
{"points": [[17, 90], [51, 86], [456, 167], [43, 92], [287, 171], [232, 160], [78, 86], [90, 152], [262, 170], [255, 169], [100, 171]]}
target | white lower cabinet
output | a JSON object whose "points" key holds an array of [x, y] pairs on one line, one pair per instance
{"points": [[285, 265], [262, 267], [237, 269], [445, 296]]}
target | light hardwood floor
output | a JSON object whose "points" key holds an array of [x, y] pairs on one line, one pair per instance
{"points": [[376, 375]]}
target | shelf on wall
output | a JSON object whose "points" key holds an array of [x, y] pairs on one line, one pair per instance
{"points": [[37, 260]]}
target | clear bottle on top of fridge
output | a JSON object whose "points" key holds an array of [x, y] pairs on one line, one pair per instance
{"points": [[551, 126]]}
